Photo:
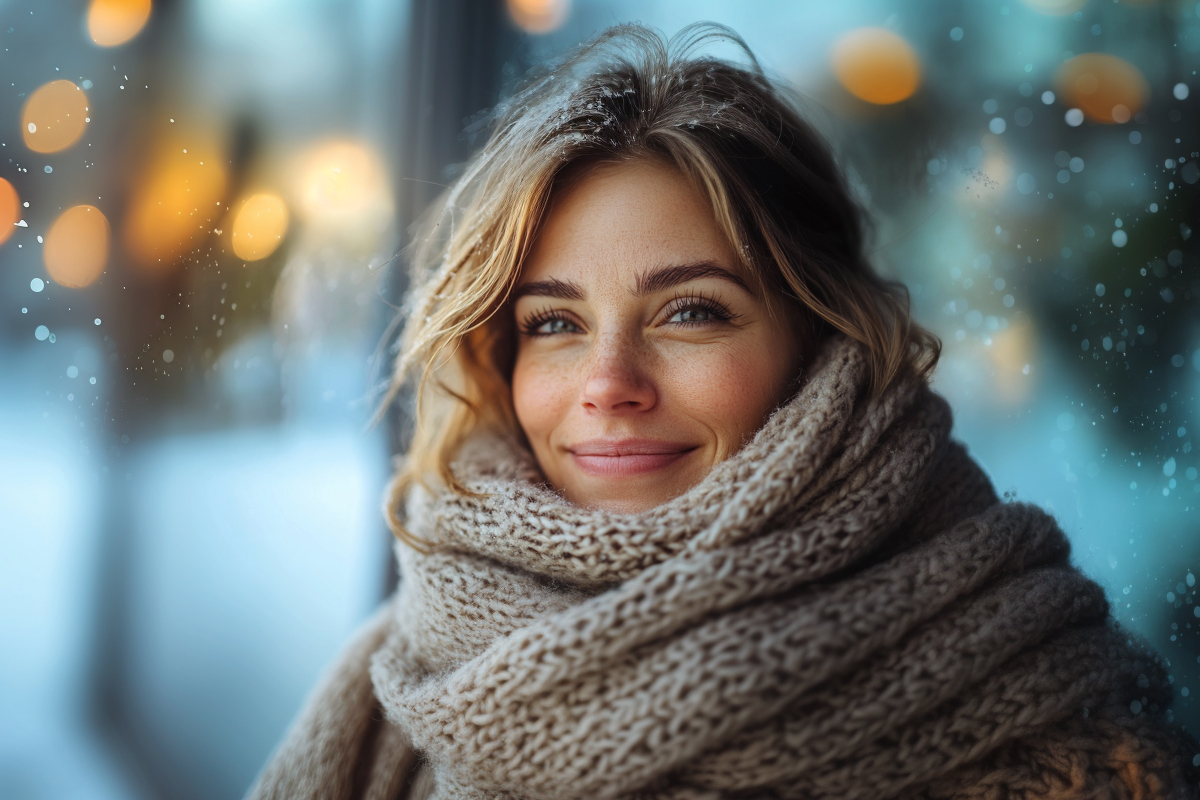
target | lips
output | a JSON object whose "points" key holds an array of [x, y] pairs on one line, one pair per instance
{"points": [[626, 457]]}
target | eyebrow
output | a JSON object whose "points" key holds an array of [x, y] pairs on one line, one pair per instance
{"points": [[648, 282], [551, 287], [668, 277]]}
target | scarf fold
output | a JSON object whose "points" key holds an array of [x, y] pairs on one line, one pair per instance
{"points": [[842, 609]]}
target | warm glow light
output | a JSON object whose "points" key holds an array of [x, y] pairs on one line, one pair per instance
{"points": [[342, 188], [76, 247], [1058, 8], [10, 210], [54, 117], [539, 16], [876, 65], [173, 204], [1013, 355], [259, 226], [1105, 88], [114, 22]]}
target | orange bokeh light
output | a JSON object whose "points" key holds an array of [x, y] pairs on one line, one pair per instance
{"points": [[114, 22], [539, 16], [876, 65], [341, 187], [76, 247], [10, 210], [54, 117], [1105, 88], [259, 226], [172, 205]]}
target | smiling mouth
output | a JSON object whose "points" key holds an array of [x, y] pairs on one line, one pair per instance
{"points": [[618, 459]]}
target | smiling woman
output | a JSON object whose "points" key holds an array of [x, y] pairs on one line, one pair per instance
{"points": [[682, 517], [644, 358]]}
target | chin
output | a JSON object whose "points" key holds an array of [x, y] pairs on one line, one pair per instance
{"points": [[627, 496], [621, 506]]}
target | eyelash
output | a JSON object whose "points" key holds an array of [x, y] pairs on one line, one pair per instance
{"points": [[706, 303], [709, 304]]}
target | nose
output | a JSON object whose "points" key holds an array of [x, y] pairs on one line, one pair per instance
{"points": [[617, 380]]}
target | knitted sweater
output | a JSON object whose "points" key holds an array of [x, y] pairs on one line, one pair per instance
{"points": [[843, 609]]}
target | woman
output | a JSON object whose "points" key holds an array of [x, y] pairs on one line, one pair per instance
{"points": [[681, 517]]}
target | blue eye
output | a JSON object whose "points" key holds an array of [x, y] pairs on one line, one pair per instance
{"points": [[556, 325], [548, 323], [691, 316]]}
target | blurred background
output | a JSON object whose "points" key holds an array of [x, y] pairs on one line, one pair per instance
{"points": [[201, 203]]}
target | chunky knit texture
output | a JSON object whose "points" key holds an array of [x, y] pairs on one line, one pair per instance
{"points": [[843, 609]]}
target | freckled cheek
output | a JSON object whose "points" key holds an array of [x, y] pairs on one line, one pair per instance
{"points": [[542, 395], [729, 390]]}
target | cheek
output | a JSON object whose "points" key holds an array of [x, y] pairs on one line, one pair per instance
{"points": [[541, 396], [731, 390]]}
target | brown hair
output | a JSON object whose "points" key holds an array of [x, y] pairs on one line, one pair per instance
{"points": [[774, 185]]}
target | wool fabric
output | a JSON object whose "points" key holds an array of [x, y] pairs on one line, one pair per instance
{"points": [[843, 609]]}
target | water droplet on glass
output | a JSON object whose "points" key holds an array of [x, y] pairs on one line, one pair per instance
{"points": [[37, 284], [41, 332]]}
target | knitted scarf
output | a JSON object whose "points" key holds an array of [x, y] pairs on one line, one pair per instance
{"points": [[842, 609]]}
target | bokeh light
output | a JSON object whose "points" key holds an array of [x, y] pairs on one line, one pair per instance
{"points": [[1058, 8], [54, 117], [1013, 354], [258, 226], [173, 204], [1105, 88], [342, 189], [876, 65], [114, 22], [10, 210], [539, 16], [76, 247]]}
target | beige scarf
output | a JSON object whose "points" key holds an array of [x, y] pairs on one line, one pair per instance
{"points": [[840, 610]]}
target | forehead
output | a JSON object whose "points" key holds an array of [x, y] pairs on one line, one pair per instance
{"points": [[616, 221]]}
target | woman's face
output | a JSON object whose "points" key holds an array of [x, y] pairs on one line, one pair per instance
{"points": [[644, 355]]}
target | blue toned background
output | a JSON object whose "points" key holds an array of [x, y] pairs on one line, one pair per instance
{"points": [[190, 482]]}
